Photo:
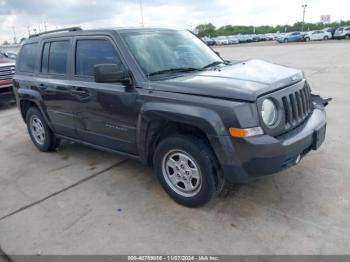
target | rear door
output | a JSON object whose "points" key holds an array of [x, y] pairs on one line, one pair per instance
{"points": [[106, 113], [53, 83]]}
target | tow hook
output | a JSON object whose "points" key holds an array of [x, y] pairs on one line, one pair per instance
{"points": [[321, 101], [326, 101]]}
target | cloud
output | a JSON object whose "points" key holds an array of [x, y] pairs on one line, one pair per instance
{"points": [[167, 13]]}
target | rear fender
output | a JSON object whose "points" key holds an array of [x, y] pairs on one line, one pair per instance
{"points": [[34, 96]]}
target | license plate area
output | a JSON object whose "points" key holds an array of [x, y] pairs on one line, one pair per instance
{"points": [[319, 137]]}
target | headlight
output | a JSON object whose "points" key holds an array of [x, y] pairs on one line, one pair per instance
{"points": [[269, 112]]}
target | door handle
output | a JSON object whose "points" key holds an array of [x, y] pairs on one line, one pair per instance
{"points": [[42, 86], [79, 92]]}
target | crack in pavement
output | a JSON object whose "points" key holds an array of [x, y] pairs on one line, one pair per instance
{"points": [[64, 189], [4, 256]]}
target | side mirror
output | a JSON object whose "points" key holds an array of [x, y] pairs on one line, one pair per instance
{"points": [[110, 73], [218, 53]]}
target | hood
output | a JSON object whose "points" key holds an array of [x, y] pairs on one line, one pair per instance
{"points": [[4, 61], [245, 80]]}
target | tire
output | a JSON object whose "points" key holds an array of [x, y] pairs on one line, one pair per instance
{"points": [[307, 39], [325, 38], [176, 160], [39, 132], [347, 37], [285, 40]]}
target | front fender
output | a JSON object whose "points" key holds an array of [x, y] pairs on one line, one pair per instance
{"points": [[203, 118]]}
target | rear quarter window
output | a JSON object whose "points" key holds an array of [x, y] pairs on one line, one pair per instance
{"points": [[27, 58]]}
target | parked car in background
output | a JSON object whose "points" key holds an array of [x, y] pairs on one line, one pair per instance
{"points": [[11, 55], [7, 70], [221, 40], [233, 40], [342, 33], [208, 41], [317, 35], [291, 37], [330, 30], [269, 37]]}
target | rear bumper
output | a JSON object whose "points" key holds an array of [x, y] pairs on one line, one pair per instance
{"points": [[265, 155]]}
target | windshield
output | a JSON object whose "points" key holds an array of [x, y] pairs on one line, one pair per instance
{"points": [[169, 51]]}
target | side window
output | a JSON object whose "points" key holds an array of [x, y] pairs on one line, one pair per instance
{"points": [[92, 52], [58, 55], [27, 58], [54, 57]]}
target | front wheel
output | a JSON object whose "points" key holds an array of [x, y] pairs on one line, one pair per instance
{"points": [[285, 40], [307, 39], [185, 167], [39, 132], [325, 38], [347, 37]]}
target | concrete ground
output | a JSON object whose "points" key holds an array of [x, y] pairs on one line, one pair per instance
{"points": [[83, 201]]}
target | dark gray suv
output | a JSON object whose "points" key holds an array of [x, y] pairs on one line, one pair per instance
{"points": [[165, 98]]}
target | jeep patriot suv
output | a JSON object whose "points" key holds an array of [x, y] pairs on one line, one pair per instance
{"points": [[165, 98]]}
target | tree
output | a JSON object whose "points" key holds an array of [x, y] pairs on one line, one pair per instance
{"points": [[210, 30], [5, 42], [205, 29]]}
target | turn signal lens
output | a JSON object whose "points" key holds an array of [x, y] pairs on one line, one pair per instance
{"points": [[245, 132]]}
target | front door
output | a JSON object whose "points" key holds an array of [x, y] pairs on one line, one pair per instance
{"points": [[106, 114]]}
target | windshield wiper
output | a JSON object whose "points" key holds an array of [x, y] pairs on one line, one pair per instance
{"points": [[213, 64], [175, 70]]}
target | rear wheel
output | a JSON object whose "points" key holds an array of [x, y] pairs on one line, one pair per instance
{"points": [[347, 37], [307, 39], [285, 40], [185, 167], [39, 132], [325, 38]]}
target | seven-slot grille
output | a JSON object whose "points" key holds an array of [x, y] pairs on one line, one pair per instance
{"points": [[7, 72], [297, 106]]}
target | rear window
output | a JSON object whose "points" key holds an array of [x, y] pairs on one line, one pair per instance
{"points": [[54, 57], [27, 58]]}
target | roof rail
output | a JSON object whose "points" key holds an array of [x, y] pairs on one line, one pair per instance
{"points": [[68, 29]]}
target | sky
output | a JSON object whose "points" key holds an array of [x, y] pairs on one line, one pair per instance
{"points": [[17, 15]]}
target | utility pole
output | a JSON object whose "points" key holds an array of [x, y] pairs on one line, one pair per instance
{"points": [[141, 11], [45, 26], [304, 11], [28, 28], [14, 35]]}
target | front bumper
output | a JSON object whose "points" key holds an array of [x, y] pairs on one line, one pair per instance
{"points": [[6, 93], [264, 155]]}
